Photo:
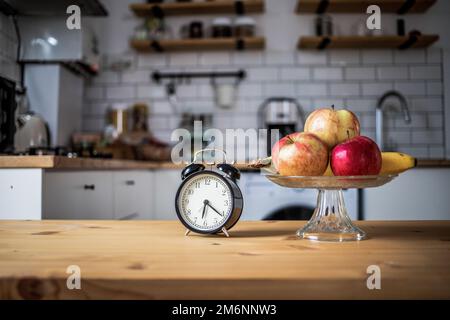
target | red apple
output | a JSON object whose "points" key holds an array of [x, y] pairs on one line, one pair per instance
{"points": [[300, 154], [332, 126], [356, 157]]}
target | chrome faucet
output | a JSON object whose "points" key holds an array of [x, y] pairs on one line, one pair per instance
{"points": [[379, 114]]}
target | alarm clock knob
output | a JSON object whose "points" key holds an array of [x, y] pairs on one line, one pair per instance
{"points": [[229, 170], [190, 169]]}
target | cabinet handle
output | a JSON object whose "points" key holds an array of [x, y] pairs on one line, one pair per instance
{"points": [[130, 182], [89, 187]]}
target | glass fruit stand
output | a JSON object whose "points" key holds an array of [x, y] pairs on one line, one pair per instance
{"points": [[330, 220]]}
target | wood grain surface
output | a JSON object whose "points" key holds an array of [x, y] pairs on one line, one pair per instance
{"points": [[261, 260]]}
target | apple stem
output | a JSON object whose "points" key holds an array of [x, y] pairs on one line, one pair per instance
{"points": [[332, 106], [348, 135]]}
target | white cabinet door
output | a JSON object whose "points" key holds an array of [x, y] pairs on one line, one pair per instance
{"points": [[78, 195], [133, 194], [20, 194], [418, 194], [166, 183]]}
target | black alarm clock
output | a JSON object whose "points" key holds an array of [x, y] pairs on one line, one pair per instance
{"points": [[209, 201]]}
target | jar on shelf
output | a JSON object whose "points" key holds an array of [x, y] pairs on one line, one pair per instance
{"points": [[221, 28], [244, 27]]}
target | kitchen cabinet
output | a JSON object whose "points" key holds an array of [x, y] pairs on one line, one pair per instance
{"points": [[78, 195], [419, 194], [20, 194], [166, 183], [123, 195], [133, 196]]}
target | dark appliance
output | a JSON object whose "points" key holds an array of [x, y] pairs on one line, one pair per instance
{"points": [[7, 115], [282, 114]]}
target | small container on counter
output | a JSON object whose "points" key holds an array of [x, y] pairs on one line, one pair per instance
{"points": [[244, 27], [324, 25], [221, 28]]}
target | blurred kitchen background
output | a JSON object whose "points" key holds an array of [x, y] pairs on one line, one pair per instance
{"points": [[135, 71]]}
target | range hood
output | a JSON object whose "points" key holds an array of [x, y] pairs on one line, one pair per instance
{"points": [[51, 7]]}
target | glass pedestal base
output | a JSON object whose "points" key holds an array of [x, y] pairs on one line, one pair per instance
{"points": [[330, 220]]}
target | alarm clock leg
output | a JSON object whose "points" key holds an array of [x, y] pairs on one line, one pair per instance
{"points": [[225, 232], [187, 232]]}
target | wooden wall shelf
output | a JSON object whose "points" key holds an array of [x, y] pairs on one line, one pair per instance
{"points": [[366, 42], [205, 44], [194, 8], [360, 6]]}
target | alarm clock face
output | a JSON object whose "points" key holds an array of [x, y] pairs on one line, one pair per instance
{"points": [[205, 202]]}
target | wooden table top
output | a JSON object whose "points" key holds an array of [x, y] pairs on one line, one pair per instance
{"points": [[261, 260]]}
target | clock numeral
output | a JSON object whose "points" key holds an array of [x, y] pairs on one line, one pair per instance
{"points": [[186, 201], [207, 182], [188, 211], [226, 202], [217, 184], [224, 192], [204, 223], [197, 185], [190, 192]]}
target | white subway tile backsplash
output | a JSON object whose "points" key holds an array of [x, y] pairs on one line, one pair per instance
{"points": [[434, 88], [426, 104], [426, 72], [279, 89], [152, 60], [249, 90], [377, 56], [311, 58], [353, 79], [344, 89], [263, 74], [360, 73], [120, 92], [161, 107], [392, 73], [327, 103], [247, 58], [186, 91], [151, 91], [434, 55], [376, 88], [312, 90], [215, 59], [415, 88], [106, 77], [327, 73], [92, 93], [436, 152], [418, 152], [428, 136], [409, 56], [435, 121], [205, 91], [344, 57], [279, 58], [361, 105], [183, 59], [136, 76], [296, 73]]}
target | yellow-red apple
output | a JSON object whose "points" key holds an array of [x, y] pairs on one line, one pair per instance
{"points": [[332, 126], [300, 154]]}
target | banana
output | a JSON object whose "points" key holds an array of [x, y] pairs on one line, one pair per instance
{"points": [[396, 162]]}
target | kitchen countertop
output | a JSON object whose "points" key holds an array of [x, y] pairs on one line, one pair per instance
{"points": [[58, 162], [261, 260]]}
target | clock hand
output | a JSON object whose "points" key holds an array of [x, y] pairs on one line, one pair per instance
{"points": [[203, 212], [214, 209]]}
